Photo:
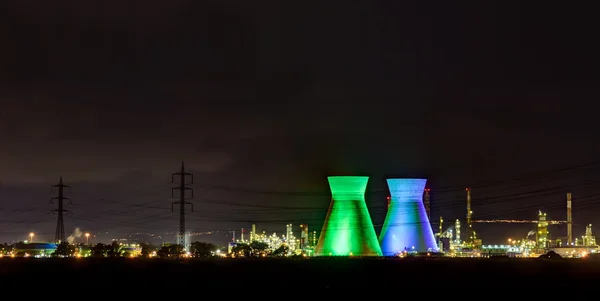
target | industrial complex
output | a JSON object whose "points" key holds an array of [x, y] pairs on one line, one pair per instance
{"points": [[348, 230], [407, 230]]}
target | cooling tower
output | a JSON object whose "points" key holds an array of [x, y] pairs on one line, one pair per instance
{"points": [[348, 229], [406, 225]]}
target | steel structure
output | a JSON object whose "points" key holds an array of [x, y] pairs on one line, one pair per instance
{"points": [[515, 221], [182, 200], [406, 226], [471, 236], [427, 201], [60, 224], [348, 228], [569, 221], [542, 231], [457, 231]]}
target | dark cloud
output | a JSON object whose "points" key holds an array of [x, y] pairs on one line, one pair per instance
{"points": [[274, 96]]}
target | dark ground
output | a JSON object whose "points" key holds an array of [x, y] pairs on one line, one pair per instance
{"points": [[154, 276]]}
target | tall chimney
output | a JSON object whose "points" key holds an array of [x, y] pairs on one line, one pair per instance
{"points": [[469, 211], [440, 245], [569, 221], [470, 236]]}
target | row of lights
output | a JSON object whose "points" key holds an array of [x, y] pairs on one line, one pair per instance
{"points": [[87, 238]]}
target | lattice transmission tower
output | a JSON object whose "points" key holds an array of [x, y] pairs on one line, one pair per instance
{"points": [[182, 200], [60, 211]]}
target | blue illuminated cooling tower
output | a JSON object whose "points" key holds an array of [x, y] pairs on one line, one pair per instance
{"points": [[406, 225]]}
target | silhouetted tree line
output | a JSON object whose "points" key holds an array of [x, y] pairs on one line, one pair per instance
{"points": [[64, 249], [197, 250], [114, 249], [107, 250]]}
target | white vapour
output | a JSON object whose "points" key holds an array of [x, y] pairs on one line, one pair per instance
{"points": [[76, 234], [530, 233]]}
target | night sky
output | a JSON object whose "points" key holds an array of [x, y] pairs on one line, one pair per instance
{"points": [[263, 100]]}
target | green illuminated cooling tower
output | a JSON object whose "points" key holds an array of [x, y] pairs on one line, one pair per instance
{"points": [[348, 229]]}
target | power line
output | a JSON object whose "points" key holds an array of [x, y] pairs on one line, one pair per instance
{"points": [[526, 177], [265, 213]]}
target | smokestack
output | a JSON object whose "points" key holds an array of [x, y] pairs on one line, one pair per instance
{"points": [[440, 244], [569, 221], [470, 236], [469, 212]]}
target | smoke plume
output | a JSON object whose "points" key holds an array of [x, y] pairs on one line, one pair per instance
{"points": [[76, 234]]}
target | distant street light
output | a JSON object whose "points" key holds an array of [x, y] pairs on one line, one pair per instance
{"points": [[87, 238], [31, 237]]}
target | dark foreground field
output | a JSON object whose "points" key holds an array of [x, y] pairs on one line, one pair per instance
{"points": [[148, 276]]}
